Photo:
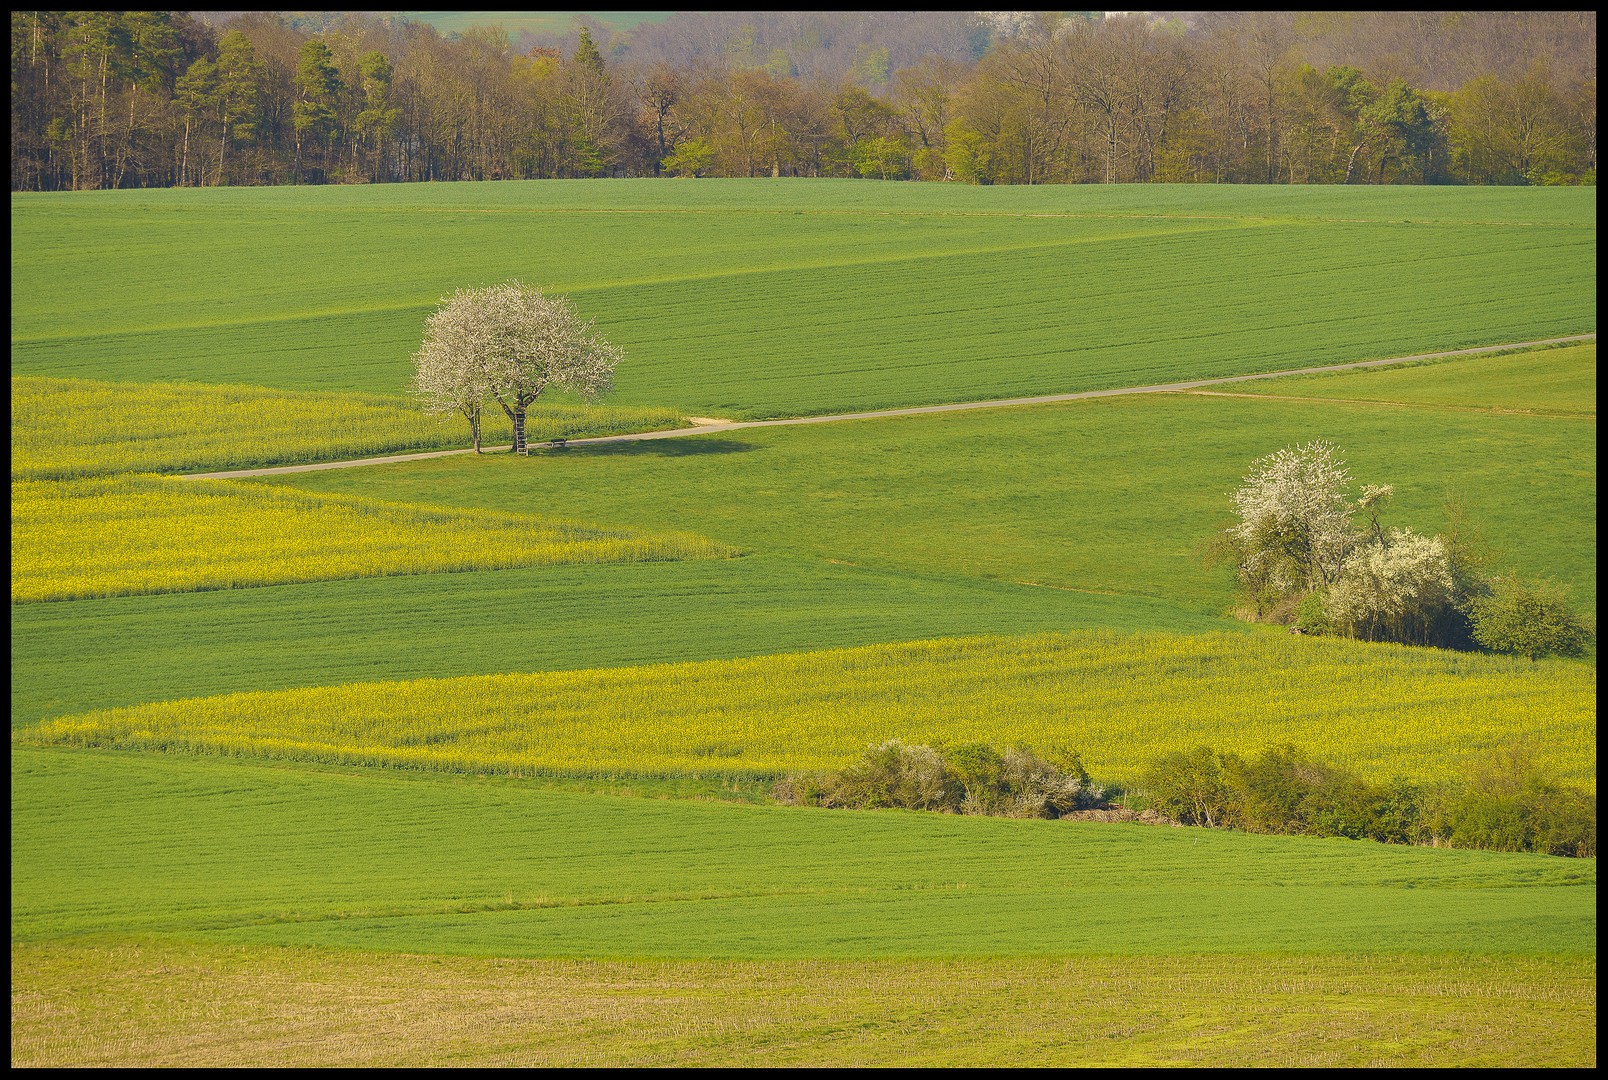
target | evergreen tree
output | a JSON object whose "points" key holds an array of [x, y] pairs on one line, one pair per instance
{"points": [[587, 56], [317, 84], [375, 122], [238, 77]]}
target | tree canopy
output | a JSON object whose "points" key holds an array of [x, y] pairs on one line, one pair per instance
{"points": [[508, 343]]}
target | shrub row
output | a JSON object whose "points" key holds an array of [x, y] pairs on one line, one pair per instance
{"points": [[1506, 804], [971, 778]]}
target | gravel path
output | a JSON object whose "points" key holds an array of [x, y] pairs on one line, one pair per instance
{"points": [[708, 426]]}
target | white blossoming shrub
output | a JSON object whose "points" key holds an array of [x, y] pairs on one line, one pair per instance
{"points": [[1393, 589], [1035, 789], [1295, 521]]}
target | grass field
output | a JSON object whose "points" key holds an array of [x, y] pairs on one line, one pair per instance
{"points": [[1560, 382], [107, 843], [131, 535], [158, 1002], [1120, 699], [833, 295], [1400, 204], [62, 429], [1053, 494], [92, 654]]}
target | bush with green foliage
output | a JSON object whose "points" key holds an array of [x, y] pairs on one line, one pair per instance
{"points": [[1189, 787], [1506, 804], [1310, 618], [1284, 791], [1509, 805], [893, 774], [970, 778], [1529, 620]]}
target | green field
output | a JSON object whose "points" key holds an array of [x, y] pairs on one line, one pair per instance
{"points": [[106, 843], [91, 654], [186, 908], [1402, 204], [1560, 381], [755, 299], [1052, 494]]}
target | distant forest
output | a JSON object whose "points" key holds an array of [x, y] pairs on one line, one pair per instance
{"points": [[162, 99]]}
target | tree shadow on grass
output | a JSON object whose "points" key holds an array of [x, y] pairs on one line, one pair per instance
{"points": [[678, 447]]}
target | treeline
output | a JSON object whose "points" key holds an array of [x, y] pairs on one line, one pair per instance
{"points": [[1504, 803], [154, 99]]}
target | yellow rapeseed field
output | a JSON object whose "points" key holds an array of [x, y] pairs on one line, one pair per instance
{"points": [[66, 428], [130, 535], [1384, 710]]}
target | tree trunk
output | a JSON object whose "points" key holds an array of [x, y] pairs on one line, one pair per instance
{"points": [[1111, 151], [472, 414], [1351, 163], [123, 156]]}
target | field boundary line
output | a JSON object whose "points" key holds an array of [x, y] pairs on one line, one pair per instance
{"points": [[1068, 215], [1399, 404], [1045, 399]]}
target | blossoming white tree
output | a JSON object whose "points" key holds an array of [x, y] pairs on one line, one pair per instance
{"points": [[509, 342], [1295, 521], [1299, 556], [1392, 588], [446, 381]]}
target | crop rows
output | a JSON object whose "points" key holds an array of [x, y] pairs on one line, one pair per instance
{"points": [[132, 535], [67, 428], [819, 311], [1059, 317], [1471, 205], [1385, 711]]}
